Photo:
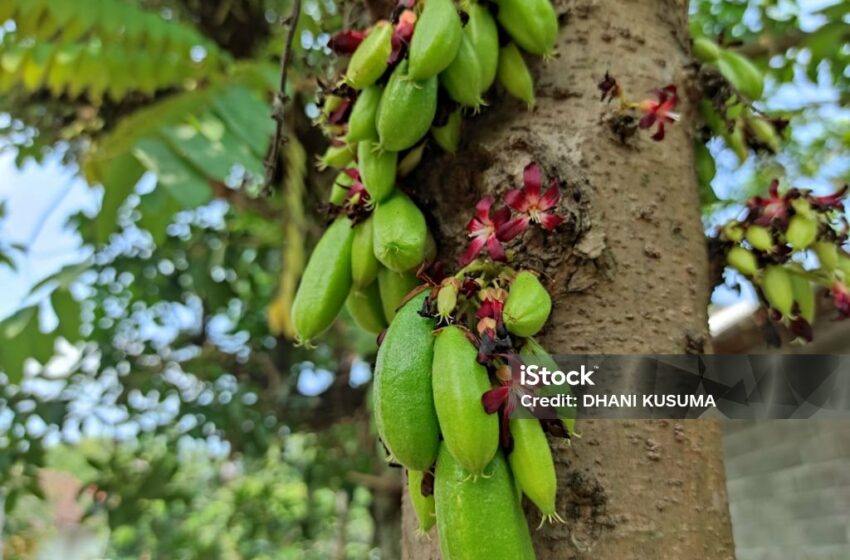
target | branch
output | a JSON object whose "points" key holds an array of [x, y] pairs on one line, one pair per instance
{"points": [[272, 162]]}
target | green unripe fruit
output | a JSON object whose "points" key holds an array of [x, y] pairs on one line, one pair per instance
{"points": [[462, 79], [365, 308], [484, 34], [844, 267], [804, 296], [742, 74], [743, 261], [364, 264], [377, 169], [361, 123], [533, 24], [827, 254], [325, 283], [776, 285], [436, 39], [459, 382], [514, 74], [533, 353], [733, 232], [706, 50], [337, 157], [400, 233], [403, 401], [370, 60], [407, 110], [447, 299], [423, 506], [737, 141], [802, 232], [706, 168], [528, 305], [763, 130], [760, 238], [532, 465], [448, 135], [481, 519], [339, 190], [394, 286]]}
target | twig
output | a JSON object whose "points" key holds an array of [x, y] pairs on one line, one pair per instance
{"points": [[272, 162]]}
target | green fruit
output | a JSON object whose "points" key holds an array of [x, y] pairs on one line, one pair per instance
{"points": [[448, 135], [804, 296], [763, 130], [482, 519], [706, 168], [407, 110], [706, 50], [462, 79], [400, 233], [370, 60], [394, 286], [411, 160], [337, 157], [365, 308], [403, 400], [459, 382], [339, 190], [533, 353], [737, 141], [484, 34], [377, 169], [802, 232], [364, 264], [436, 39], [361, 123], [760, 238], [741, 73], [533, 24], [528, 305], [532, 464], [743, 261], [423, 506], [514, 74], [325, 283], [776, 285], [827, 254], [844, 267]]}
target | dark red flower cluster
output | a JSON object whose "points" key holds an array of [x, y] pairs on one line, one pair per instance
{"points": [[491, 228], [657, 112]]}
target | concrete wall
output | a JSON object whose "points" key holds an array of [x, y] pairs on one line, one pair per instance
{"points": [[789, 489]]}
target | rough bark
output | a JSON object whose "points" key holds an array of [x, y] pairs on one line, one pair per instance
{"points": [[628, 274]]}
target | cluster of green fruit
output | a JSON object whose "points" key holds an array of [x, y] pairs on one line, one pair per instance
{"points": [[728, 112], [774, 244], [441, 376]]}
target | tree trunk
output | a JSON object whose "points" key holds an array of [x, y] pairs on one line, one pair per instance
{"points": [[628, 274]]}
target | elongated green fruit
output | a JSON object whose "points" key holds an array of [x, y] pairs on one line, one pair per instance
{"points": [[742, 73], [533, 24], [402, 396], [760, 238], [361, 123], [804, 296], [339, 190], [802, 232], [514, 74], [736, 139], [528, 305], [533, 353], [377, 169], [484, 34], [325, 283], [532, 464], [764, 131], [423, 505], [827, 254], [337, 157], [776, 285], [371, 58], [407, 110], [436, 40], [844, 267], [365, 308], [462, 79], [364, 264], [459, 382], [743, 261], [394, 286], [400, 233], [706, 50], [481, 519], [448, 135]]}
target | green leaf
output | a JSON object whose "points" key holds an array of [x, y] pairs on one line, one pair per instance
{"points": [[64, 277], [67, 310], [174, 174], [247, 115], [119, 179]]}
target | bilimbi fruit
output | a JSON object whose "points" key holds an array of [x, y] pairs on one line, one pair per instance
{"points": [[436, 40], [400, 233], [459, 381], [364, 264], [528, 305], [482, 31], [325, 283], [462, 78], [514, 74], [377, 169], [827, 254], [706, 50], [370, 60], [760, 238], [423, 506], [361, 122], [532, 465], [407, 109], [777, 289], [339, 190], [804, 296], [742, 73], [743, 261], [802, 232], [448, 135], [364, 306], [403, 400], [532, 24], [394, 286], [337, 157]]}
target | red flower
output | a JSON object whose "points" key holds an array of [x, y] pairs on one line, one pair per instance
{"points": [[834, 201], [773, 208], [358, 196], [841, 298], [489, 230], [661, 111], [345, 43], [534, 207], [506, 396], [609, 87], [402, 34]]}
